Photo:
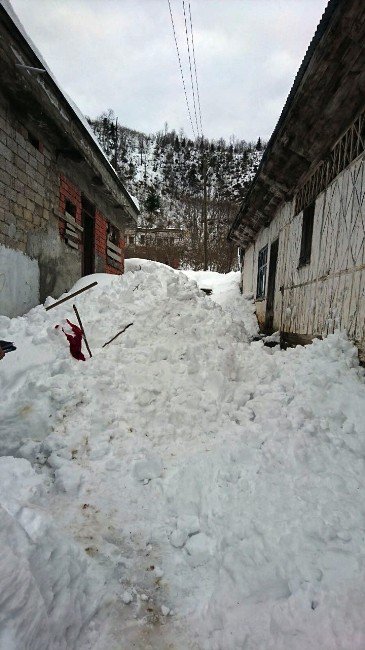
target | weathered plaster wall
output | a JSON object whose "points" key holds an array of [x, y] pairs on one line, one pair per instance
{"points": [[329, 292], [19, 282], [249, 275]]}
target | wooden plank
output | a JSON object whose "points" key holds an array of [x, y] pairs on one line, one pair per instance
{"points": [[114, 257], [291, 339], [65, 216], [82, 329], [119, 333], [113, 247], [72, 236], [71, 243], [69, 217], [72, 295]]}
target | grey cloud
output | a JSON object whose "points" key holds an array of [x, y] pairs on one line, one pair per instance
{"points": [[120, 54]]}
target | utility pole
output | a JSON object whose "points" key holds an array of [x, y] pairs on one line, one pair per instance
{"points": [[205, 222]]}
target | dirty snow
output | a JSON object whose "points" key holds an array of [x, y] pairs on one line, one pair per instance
{"points": [[184, 487]]}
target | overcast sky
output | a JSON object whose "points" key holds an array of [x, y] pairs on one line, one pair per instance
{"points": [[121, 54]]}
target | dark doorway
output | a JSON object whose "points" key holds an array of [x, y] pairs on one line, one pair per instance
{"points": [[88, 259], [269, 320]]}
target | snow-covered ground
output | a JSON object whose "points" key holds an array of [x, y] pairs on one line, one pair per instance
{"points": [[184, 488]]}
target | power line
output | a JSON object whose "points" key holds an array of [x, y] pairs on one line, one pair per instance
{"points": [[196, 75], [181, 70], [191, 71]]}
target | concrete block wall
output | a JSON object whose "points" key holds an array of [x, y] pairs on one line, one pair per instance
{"points": [[26, 184]]}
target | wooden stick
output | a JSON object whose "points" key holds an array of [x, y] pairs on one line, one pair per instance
{"points": [[72, 295], [116, 336], [82, 329]]}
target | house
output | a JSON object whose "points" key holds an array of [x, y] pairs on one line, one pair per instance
{"points": [[301, 228], [158, 244], [63, 209]]}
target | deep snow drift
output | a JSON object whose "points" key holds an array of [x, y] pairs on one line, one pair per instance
{"points": [[184, 488]]}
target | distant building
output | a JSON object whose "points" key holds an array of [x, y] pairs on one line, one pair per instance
{"points": [[63, 208], [301, 228], [158, 244]]}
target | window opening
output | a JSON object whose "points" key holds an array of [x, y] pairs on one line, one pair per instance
{"points": [[113, 234], [307, 235], [261, 273], [34, 141], [70, 208]]}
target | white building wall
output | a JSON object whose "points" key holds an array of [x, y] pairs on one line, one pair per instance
{"points": [[278, 228], [329, 292], [19, 282]]}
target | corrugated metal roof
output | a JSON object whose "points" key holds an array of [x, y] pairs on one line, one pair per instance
{"points": [[319, 33]]}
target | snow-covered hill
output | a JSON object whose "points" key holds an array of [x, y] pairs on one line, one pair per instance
{"points": [[183, 488], [171, 165], [165, 171]]}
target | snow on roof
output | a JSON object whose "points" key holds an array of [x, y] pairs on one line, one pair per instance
{"points": [[135, 200], [5, 4]]}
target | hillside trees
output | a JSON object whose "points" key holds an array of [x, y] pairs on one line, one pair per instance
{"points": [[165, 172]]}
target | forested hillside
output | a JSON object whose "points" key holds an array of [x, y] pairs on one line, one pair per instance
{"points": [[165, 171]]}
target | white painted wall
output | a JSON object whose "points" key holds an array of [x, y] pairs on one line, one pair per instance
{"points": [[328, 293], [19, 282]]}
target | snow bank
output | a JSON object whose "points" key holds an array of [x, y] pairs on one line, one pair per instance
{"points": [[48, 590], [217, 486], [137, 264]]}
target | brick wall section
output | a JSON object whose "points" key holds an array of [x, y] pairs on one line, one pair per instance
{"points": [[100, 235], [122, 246], [69, 192], [101, 228]]}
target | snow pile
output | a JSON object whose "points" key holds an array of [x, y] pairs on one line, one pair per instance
{"points": [[225, 292], [217, 486]]}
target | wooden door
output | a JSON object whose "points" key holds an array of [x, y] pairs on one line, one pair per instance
{"points": [[269, 319]]}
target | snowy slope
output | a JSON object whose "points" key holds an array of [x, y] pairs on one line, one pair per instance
{"points": [[170, 165], [209, 490]]}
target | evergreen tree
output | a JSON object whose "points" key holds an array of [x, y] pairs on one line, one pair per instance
{"points": [[153, 203]]}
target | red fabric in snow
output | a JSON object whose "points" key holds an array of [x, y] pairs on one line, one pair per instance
{"points": [[75, 341]]}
